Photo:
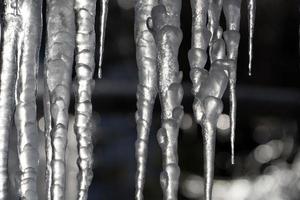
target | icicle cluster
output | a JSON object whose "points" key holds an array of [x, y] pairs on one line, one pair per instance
{"points": [[158, 37], [70, 31], [208, 85]]}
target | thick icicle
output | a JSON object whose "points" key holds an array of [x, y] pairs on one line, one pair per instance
{"points": [[197, 55], [58, 74], [251, 26], [85, 50], [232, 12], [11, 24], [211, 92], [165, 25], [147, 87], [208, 106], [103, 18], [29, 39]]}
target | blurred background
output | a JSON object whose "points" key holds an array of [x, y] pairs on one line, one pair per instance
{"points": [[267, 145]]}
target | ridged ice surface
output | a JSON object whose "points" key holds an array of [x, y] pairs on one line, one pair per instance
{"points": [[7, 86], [83, 86], [21, 40], [58, 73], [70, 33], [146, 89], [29, 39]]}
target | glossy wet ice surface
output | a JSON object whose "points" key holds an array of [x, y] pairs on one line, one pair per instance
{"points": [[268, 106]]}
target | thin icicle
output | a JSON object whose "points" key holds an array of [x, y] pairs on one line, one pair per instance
{"points": [[58, 74], [8, 69], [103, 19], [85, 39], [165, 25], [232, 12], [251, 26], [48, 141], [26, 87], [146, 90], [48, 146]]}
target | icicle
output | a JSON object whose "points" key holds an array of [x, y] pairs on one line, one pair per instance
{"points": [[85, 50], [208, 106], [29, 39], [48, 146], [165, 25], [211, 92], [201, 37], [103, 18], [7, 84], [251, 25], [147, 88], [58, 74], [232, 9]]}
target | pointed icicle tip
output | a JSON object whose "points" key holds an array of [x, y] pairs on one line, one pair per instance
{"points": [[232, 155], [233, 124], [103, 19], [251, 25]]}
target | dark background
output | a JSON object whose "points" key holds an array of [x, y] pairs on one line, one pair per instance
{"points": [[267, 114]]}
